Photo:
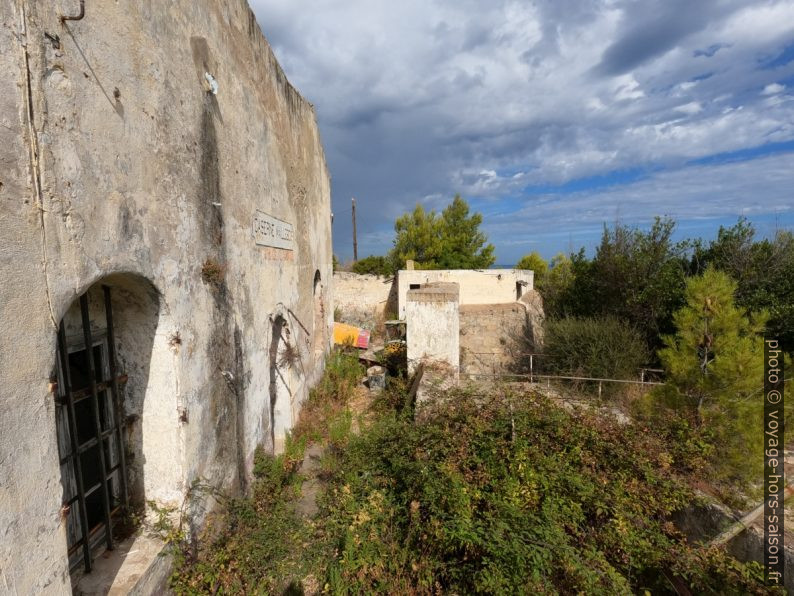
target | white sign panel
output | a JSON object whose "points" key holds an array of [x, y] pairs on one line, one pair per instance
{"points": [[269, 231]]}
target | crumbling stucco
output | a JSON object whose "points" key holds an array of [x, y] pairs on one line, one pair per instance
{"points": [[364, 300], [117, 165]]}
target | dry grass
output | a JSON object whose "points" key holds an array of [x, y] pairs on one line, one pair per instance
{"points": [[212, 272], [331, 397]]}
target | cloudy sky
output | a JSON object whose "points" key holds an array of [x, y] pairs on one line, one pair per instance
{"points": [[550, 117]]}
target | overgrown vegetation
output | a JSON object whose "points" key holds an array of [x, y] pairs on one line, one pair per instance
{"points": [[604, 348], [328, 400], [635, 276], [714, 365], [535, 263], [700, 312], [640, 277], [505, 495], [374, 265], [488, 494], [255, 544], [395, 359], [763, 270]]}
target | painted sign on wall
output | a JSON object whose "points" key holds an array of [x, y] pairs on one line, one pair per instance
{"points": [[269, 231]]}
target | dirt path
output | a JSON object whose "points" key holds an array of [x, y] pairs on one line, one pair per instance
{"points": [[311, 467], [312, 485]]}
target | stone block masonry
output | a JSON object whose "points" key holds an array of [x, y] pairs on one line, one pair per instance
{"points": [[494, 336], [488, 336]]}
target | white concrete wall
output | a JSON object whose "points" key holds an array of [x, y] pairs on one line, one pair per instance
{"points": [[432, 326], [481, 286], [362, 299], [114, 159]]}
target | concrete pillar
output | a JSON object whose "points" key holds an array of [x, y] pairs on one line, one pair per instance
{"points": [[432, 326]]}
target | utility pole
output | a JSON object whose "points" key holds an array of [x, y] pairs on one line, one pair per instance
{"points": [[355, 242]]}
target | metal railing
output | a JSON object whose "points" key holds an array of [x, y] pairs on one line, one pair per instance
{"points": [[533, 377]]}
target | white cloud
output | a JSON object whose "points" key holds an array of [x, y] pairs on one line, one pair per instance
{"points": [[691, 108], [432, 97], [685, 194], [773, 89]]}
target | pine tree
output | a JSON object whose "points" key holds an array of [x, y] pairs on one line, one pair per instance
{"points": [[714, 364], [452, 240], [463, 244], [534, 262]]}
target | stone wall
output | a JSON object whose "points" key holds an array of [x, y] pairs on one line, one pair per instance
{"points": [[492, 335], [364, 300], [119, 165], [485, 286], [488, 336]]}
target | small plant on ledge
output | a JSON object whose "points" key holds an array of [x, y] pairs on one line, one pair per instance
{"points": [[212, 272]]}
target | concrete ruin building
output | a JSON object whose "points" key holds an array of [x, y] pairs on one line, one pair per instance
{"points": [[472, 321], [165, 266]]}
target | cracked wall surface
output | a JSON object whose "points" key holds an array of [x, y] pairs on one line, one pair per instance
{"points": [[117, 162]]}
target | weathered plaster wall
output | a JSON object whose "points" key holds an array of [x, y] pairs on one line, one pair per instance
{"points": [[114, 159], [486, 286], [363, 299], [432, 326]]}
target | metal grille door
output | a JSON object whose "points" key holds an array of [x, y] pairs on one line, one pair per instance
{"points": [[89, 421]]}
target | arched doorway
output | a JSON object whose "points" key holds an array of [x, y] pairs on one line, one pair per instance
{"points": [[105, 348]]}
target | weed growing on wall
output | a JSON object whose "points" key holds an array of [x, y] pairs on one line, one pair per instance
{"points": [[212, 272]]}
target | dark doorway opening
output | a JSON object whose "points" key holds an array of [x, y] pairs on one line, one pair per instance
{"points": [[90, 430]]}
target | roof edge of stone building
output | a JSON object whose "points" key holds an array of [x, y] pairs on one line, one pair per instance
{"points": [[290, 91]]}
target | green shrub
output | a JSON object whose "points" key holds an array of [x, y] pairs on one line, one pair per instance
{"points": [[503, 494], [513, 496], [714, 365], [395, 359], [604, 348], [331, 395], [373, 265], [258, 547]]}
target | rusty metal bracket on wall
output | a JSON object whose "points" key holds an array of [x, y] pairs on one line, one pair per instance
{"points": [[76, 17]]}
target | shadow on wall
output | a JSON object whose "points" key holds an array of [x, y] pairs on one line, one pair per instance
{"points": [[391, 309], [136, 306], [281, 356]]}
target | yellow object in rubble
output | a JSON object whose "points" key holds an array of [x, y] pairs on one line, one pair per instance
{"points": [[351, 335]]}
